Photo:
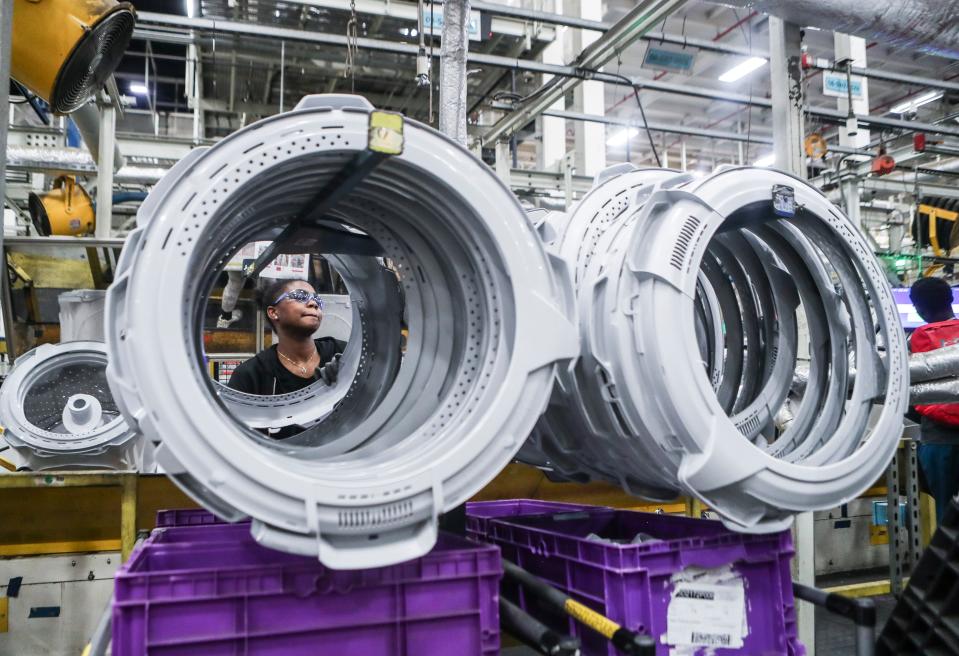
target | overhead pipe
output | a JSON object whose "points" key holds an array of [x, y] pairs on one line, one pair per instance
{"points": [[75, 161], [511, 63], [929, 26]]}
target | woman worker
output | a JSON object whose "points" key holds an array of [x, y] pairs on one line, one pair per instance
{"points": [[297, 360]]}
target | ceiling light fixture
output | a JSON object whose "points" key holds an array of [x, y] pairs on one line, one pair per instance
{"points": [[914, 103], [621, 137], [742, 70], [139, 89]]}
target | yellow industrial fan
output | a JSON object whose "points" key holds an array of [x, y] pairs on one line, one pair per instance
{"points": [[64, 210], [64, 50]]}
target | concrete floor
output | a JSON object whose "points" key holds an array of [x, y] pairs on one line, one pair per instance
{"points": [[835, 635]]}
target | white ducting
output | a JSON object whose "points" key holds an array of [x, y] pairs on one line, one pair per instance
{"points": [[87, 119], [934, 376], [75, 161], [944, 390], [931, 365], [930, 26], [453, 82]]}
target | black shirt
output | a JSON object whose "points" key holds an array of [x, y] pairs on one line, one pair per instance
{"points": [[265, 375]]}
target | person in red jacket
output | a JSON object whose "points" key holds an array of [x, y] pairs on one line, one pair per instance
{"points": [[938, 450]]}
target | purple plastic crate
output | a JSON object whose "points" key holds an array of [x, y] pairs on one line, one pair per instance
{"points": [[187, 517], [633, 584], [480, 513], [212, 590]]}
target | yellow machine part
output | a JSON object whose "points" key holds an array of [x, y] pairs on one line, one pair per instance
{"points": [[815, 146], [64, 50], [64, 210], [934, 214]]}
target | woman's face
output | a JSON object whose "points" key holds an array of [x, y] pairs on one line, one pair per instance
{"points": [[296, 316]]}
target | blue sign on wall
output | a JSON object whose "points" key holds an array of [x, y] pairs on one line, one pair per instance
{"points": [[835, 84], [665, 59]]}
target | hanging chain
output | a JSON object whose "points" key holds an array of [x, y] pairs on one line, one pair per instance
{"points": [[351, 47]]}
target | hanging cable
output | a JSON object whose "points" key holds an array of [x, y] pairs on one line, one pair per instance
{"points": [[351, 46], [642, 112]]}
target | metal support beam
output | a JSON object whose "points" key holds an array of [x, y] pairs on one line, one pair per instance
{"points": [[195, 92], [913, 521], [892, 526], [520, 17], [588, 97], [126, 481], [60, 242], [6, 33], [786, 82], [574, 72], [508, 24], [667, 128], [567, 166], [502, 164], [920, 189], [282, 73], [526, 180], [640, 19], [887, 76], [850, 200]]}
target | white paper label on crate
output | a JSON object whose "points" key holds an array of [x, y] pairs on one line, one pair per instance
{"points": [[707, 611]]}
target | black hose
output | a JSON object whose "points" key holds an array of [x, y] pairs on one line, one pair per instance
{"points": [[626, 641], [533, 633]]}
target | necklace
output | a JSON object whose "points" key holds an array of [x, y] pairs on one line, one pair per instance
{"points": [[294, 362]]}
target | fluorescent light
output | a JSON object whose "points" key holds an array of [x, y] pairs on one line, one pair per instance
{"points": [[190, 8], [620, 138], [765, 160], [139, 89], [917, 101], [742, 70]]}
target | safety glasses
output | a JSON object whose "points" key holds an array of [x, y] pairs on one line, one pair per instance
{"points": [[300, 296]]}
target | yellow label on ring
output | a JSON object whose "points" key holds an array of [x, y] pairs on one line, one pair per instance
{"points": [[386, 133], [591, 618]]}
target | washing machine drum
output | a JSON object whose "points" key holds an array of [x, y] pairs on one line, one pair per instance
{"points": [[431, 246]]}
